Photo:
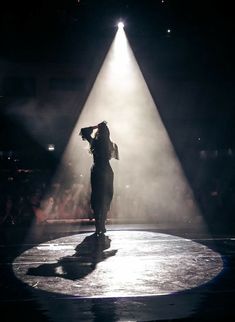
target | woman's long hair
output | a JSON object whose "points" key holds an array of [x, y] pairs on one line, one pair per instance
{"points": [[102, 144]]}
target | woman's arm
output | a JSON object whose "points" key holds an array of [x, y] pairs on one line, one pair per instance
{"points": [[115, 152], [86, 132]]}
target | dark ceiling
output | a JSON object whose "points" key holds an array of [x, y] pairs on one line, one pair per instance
{"points": [[198, 52], [30, 29]]}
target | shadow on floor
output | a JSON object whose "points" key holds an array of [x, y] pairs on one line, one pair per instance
{"points": [[92, 250]]}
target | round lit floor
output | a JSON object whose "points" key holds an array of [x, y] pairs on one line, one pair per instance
{"points": [[121, 264]]}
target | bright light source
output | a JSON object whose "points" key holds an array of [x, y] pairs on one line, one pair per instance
{"points": [[120, 24], [50, 147], [168, 31]]}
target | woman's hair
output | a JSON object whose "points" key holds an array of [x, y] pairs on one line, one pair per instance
{"points": [[100, 146], [102, 143], [103, 130]]}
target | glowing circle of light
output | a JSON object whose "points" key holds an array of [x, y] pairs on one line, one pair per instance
{"points": [[120, 25], [145, 263]]}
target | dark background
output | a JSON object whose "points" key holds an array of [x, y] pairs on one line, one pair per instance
{"points": [[190, 71]]}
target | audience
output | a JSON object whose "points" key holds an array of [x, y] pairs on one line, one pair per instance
{"points": [[29, 195]]}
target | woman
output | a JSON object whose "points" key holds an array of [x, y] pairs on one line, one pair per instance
{"points": [[101, 172]]}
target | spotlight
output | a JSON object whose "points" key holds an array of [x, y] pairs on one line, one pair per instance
{"points": [[120, 25], [50, 147]]}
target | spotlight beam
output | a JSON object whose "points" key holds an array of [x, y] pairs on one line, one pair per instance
{"points": [[149, 185]]}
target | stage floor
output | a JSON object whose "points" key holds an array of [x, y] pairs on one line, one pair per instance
{"points": [[133, 273]]}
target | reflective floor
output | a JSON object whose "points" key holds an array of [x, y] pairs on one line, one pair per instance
{"points": [[130, 274]]}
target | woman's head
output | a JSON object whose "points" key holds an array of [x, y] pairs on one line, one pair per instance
{"points": [[103, 130]]}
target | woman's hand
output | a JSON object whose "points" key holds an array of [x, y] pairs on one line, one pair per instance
{"points": [[104, 122]]}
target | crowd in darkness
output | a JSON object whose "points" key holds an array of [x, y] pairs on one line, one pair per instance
{"points": [[25, 195], [28, 195], [213, 183]]}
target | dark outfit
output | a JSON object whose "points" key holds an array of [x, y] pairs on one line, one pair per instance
{"points": [[101, 175]]}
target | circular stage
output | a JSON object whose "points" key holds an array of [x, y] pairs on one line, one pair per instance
{"points": [[121, 264]]}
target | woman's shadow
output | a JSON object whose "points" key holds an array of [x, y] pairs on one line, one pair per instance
{"points": [[92, 250]]}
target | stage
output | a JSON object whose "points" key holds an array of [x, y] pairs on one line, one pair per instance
{"points": [[133, 273]]}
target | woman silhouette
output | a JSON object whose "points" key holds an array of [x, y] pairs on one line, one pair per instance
{"points": [[101, 172]]}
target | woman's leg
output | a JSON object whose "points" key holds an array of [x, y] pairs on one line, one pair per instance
{"points": [[102, 222], [100, 219]]}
